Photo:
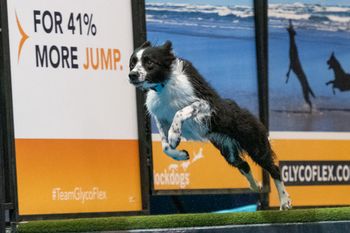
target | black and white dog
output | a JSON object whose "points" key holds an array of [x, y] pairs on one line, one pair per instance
{"points": [[184, 105]]}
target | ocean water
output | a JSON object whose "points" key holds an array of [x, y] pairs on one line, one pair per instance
{"points": [[220, 42]]}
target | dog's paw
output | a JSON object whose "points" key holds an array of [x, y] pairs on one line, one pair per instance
{"points": [[174, 137], [181, 155], [286, 204]]}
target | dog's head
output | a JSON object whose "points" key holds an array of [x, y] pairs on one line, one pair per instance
{"points": [[332, 61], [290, 29], [150, 65]]}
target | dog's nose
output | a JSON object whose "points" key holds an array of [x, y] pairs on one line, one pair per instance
{"points": [[133, 76]]}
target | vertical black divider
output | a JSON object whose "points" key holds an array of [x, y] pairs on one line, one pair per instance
{"points": [[8, 181], [261, 32], [143, 119]]}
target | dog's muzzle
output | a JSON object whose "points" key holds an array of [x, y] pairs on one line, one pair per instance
{"points": [[134, 77]]}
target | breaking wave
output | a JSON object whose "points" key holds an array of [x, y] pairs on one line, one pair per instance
{"points": [[307, 16]]}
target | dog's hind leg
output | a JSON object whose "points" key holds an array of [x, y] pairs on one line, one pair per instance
{"points": [[231, 151], [267, 163], [307, 99], [285, 201], [244, 168], [288, 72]]}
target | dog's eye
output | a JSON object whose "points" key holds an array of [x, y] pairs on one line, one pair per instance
{"points": [[149, 62], [132, 63]]}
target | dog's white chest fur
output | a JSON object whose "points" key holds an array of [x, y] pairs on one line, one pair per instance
{"points": [[176, 95]]}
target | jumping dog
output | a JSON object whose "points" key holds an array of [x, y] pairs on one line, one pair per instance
{"points": [[296, 67], [183, 104]]}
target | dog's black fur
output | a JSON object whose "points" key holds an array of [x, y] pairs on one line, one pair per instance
{"points": [[296, 66], [231, 120], [246, 132], [341, 79]]}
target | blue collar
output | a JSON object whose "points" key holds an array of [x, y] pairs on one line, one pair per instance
{"points": [[158, 87]]}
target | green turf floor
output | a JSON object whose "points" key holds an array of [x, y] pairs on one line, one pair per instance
{"points": [[185, 220]]}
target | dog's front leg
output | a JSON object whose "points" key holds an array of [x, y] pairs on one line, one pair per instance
{"points": [[174, 135], [175, 154], [330, 82]]}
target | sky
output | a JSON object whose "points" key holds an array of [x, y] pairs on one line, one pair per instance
{"points": [[249, 2]]}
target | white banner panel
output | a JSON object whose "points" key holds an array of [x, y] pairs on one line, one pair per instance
{"points": [[74, 110], [69, 62]]}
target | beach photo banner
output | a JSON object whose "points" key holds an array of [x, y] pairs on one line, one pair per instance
{"points": [[75, 117], [219, 39], [309, 98]]}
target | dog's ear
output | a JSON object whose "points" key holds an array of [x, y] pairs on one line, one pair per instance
{"points": [[168, 52], [167, 45], [145, 44], [332, 55]]}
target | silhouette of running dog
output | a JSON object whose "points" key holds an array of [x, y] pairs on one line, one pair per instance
{"points": [[295, 65], [342, 79]]}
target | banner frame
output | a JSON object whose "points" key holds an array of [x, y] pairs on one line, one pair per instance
{"points": [[261, 37], [266, 34], [7, 125], [7, 133], [260, 25]]}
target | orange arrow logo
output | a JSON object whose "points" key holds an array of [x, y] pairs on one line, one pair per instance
{"points": [[23, 39]]}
